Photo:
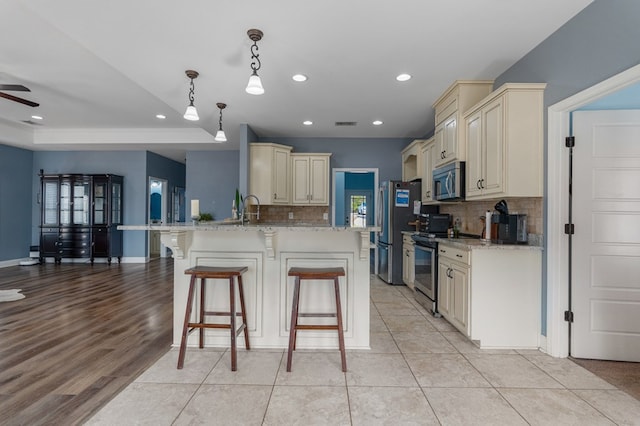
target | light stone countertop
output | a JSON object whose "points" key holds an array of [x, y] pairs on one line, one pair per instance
{"points": [[237, 226], [470, 243]]}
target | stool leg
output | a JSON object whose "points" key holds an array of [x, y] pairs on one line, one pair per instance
{"points": [[243, 312], [232, 314], [201, 331], [336, 284], [185, 328], [294, 322]]}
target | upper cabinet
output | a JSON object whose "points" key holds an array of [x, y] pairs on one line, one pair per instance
{"points": [[269, 172], [411, 161], [427, 157], [310, 181], [505, 143], [449, 136]]}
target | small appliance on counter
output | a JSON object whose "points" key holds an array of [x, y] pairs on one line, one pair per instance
{"points": [[435, 224], [508, 228]]}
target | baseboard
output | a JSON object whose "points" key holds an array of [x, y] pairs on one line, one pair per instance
{"points": [[542, 343], [12, 262]]}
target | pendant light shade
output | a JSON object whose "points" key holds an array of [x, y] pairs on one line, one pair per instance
{"points": [[220, 136], [255, 85], [191, 113]]}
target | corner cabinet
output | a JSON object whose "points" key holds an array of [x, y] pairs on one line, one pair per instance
{"points": [[449, 134], [411, 161], [269, 173], [310, 183], [505, 143], [79, 217]]}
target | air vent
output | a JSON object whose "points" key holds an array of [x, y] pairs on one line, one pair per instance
{"points": [[346, 123], [33, 123]]}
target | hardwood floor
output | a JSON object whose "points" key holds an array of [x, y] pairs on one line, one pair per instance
{"points": [[79, 337]]}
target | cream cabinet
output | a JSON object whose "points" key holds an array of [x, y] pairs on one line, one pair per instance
{"points": [[411, 161], [491, 293], [427, 153], [310, 183], [505, 143], [453, 286], [449, 134], [408, 260], [269, 172]]}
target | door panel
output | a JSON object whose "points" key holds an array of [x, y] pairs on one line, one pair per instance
{"points": [[606, 245]]}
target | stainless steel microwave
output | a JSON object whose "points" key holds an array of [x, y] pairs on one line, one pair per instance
{"points": [[448, 182]]}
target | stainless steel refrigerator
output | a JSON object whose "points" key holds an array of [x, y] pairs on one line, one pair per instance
{"points": [[395, 211]]}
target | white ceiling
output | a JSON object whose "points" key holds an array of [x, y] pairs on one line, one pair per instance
{"points": [[101, 70]]}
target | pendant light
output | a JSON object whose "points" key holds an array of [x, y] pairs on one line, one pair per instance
{"points": [[255, 85], [191, 113], [220, 136]]}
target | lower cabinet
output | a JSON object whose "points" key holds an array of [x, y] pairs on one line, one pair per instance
{"points": [[492, 294], [408, 261], [453, 282]]}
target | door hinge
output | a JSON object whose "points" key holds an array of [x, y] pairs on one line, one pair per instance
{"points": [[569, 229], [568, 316], [570, 141]]}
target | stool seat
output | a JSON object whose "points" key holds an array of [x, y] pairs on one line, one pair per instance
{"points": [[315, 274], [215, 272]]}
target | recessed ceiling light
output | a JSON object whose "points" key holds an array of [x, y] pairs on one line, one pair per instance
{"points": [[36, 117], [161, 116], [403, 77], [299, 77], [307, 122], [377, 123]]}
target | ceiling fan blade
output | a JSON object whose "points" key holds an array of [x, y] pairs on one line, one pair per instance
{"points": [[17, 99], [14, 87]]}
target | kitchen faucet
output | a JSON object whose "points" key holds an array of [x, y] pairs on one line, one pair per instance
{"points": [[245, 213]]}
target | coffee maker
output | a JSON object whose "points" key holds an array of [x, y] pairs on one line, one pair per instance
{"points": [[508, 228]]}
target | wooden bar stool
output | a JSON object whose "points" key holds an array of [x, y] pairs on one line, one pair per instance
{"points": [[204, 272], [315, 274]]}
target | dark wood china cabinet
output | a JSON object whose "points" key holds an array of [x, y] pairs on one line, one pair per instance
{"points": [[80, 216]]}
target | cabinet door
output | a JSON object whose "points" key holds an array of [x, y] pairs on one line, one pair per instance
{"points": [[50, 202], [428, 153], [65, 202], [280, 175], [116, 203], [444, 289], [460, 298], [493, 147], [81, 199], [408, 264], [318, 180], [300, 170], [440, 145], [451, 138], [475, 162], [100, 205]]}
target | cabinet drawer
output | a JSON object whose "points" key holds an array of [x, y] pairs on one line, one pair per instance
{"points": [[74, 252], [454, 253]]}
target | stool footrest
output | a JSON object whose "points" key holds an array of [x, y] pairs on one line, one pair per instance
{"points": [[221, 314], [316, 327], [326, 315]]}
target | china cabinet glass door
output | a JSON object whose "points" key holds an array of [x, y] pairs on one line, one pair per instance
{"points": [[81, 203], [116, 203], [50, 203], [100, 203], [65, 203]]}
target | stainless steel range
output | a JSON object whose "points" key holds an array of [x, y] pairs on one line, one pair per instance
{"points": [[426, 272]]}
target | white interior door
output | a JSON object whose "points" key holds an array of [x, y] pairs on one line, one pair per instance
{"points": [[606, 245]]}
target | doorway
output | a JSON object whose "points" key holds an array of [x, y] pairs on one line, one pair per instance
{"points": [[157, 214], [557, 212], [356, 189]]}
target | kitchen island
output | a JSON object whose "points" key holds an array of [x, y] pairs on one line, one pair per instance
{"points": [[269, 250]]}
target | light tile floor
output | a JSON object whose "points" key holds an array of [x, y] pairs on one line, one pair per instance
{"points": [[419, 371]]}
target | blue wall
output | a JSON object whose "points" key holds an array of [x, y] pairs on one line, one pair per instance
{"points": [[15, 202], [212, 178], [599, 42]]}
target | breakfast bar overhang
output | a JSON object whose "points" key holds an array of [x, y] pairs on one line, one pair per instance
{"points": [[269, 251]]}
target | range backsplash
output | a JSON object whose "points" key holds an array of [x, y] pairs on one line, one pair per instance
{"points": [[471, 212]]}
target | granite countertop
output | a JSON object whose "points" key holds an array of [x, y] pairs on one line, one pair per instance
{"points": [[237, 226], [473, 243]]}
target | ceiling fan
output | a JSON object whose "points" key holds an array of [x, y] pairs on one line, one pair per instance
{"points": [[16, 88]]}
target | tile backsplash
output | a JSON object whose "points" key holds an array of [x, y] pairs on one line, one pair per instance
{"points": [[470, 213], [301, 214]]}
